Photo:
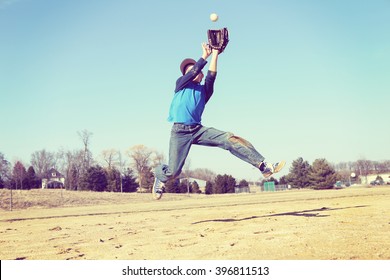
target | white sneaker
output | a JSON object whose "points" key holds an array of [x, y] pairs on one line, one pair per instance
{"points": [[270, 169], [158, 189]]}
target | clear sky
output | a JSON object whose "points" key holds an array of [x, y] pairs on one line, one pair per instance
{"points": [[299, 78]]}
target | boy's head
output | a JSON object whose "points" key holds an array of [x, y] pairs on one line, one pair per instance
{"points": [[187, 65]]}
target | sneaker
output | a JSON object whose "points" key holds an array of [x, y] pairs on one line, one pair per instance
{"points": [[158, 189], [270, 169]]}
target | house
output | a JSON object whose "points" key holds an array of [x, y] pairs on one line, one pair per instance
{"points": [[372, 177], [53, 180]]}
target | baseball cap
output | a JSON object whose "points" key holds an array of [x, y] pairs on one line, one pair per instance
{"points": [[186, 62]]}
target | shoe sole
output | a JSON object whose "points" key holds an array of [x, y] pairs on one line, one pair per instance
{"points": [[278, 168], [157, 196]]}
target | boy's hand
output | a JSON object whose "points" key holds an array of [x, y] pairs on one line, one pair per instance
{"points": [[206, 51]]}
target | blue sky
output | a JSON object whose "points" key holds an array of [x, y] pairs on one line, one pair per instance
{"points": [[299, 78]]}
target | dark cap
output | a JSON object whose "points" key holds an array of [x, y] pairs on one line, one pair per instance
{"points": [[185, 63]]}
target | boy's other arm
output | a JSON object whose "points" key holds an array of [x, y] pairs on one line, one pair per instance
{"points": [[214, 60], [211, 75]]}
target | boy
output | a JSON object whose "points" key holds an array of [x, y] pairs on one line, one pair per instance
{"points": [[186, 111]]}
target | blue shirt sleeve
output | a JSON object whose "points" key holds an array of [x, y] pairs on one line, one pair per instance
{"points": [[209, 84]]}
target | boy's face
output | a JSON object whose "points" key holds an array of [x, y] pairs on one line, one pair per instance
{"points": [[198, 78]]}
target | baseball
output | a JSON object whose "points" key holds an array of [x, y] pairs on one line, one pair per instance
{"points": [[213, 17]]}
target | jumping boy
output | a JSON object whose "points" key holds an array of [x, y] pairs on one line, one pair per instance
{"points": [[186, 111]]}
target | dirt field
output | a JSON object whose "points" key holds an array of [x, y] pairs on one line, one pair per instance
{"points": [[351, 223]]}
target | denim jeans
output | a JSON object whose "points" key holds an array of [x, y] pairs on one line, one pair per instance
{"points": [[183, 136]]}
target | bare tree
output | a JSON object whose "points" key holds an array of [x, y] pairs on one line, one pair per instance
{"points": [[113, 174], [142, 159], [5, 170], [110, 157], [364, 167], [42, 161], [187, 174], [19, 174], [158, 158], [203, 174], [121, 162], [85, 136], [61, 162], [73, 166], [379, 167], [122, 166]]}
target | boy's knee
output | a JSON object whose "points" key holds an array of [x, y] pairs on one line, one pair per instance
{"points": [[234, 139]]}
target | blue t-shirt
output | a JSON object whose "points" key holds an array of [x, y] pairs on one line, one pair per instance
{"points": [[190, 98]]}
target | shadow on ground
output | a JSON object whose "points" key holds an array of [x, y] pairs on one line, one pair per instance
{"points": [[316, 213]]}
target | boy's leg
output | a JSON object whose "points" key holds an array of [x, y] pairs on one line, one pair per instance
{"points": [[179, 147], [241, 148]]}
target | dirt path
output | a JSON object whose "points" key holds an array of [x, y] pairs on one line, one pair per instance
{"points": [[344, 224]]}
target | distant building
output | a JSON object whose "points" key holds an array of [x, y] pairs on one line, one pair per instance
{"points": [[238, 189], [372, 177], [53, 180]]}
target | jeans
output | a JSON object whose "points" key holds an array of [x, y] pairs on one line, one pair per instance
{"points": [[183, 136]]}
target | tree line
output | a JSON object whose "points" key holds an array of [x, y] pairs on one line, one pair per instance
{"points": [[109, 178], [323, 175], [220, 184], [110, 171], [318, 175], [132, 171], [95, 178]]}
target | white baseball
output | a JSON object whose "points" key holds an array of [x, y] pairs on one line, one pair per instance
{"points": [[213, 17]]}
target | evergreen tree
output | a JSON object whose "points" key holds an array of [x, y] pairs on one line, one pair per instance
{"points": [[283, 180], [209, 188], [231, 184], [299, 173], [82, 182], [129, 183], [322, 174], [195, 187], [219, 185], [32, 181], [172, 186], [148, 178], [243, 183], [97, 179], [2, 183], [184, 186], [113, 179], [71, 182], [94, 179], [224, 184]]}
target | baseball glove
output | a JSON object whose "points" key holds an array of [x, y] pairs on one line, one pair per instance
{"points": [[218, 39]]}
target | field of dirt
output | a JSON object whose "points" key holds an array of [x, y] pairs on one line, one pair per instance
{"points": [[352, 223]]}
